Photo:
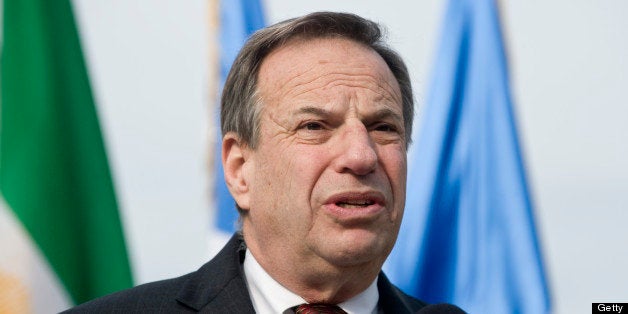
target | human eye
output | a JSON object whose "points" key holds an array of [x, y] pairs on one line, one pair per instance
{"points": [[312, 126], [385, 127], [385, 132], [313, 131]]}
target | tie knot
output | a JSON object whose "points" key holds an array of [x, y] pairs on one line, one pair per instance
{"points": [[318, 308]]}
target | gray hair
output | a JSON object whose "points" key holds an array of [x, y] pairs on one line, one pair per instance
{"points": [[240, 103]]}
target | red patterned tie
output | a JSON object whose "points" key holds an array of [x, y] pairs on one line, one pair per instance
{"points": [[318, 308]]}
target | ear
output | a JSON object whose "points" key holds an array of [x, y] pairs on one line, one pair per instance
{"points": [[234, 162]]}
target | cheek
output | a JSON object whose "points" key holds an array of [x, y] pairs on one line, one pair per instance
{"points": [[289, 177], [394, 162]]}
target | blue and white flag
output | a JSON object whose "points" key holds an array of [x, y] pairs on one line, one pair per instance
{"points": [[238, 20], [468, 236]]}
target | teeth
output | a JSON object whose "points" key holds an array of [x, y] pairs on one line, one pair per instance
{"points": [[354, 204]]}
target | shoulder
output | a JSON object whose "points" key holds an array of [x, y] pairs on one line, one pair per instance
{"points": [[154, 297], [217, 285], [393, 300]]}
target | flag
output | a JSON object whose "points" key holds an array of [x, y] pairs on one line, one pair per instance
{"points": [[62, 240], [238, 20], [468, 235]]}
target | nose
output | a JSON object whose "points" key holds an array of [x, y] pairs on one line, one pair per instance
{"points": [[357, 152]]}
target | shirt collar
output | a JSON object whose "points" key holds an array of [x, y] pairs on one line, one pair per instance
{"points": [[365, 302], [269, 296]]}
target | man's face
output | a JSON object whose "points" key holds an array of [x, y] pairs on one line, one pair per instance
{"points": [[327, 179]]}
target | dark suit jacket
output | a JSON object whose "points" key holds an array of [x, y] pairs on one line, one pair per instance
{"points": [[218, 286]]}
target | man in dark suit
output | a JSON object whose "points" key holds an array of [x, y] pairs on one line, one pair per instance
{"points": [[316, 119]]}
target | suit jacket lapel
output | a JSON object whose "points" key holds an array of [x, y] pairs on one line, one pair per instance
{"points": [[393, 300], [219, 286]]}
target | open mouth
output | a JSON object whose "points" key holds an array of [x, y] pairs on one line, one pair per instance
{"points": [[352, 206], [355, 203]]}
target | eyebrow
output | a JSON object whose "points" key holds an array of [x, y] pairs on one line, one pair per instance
{"points": [[313, 110], [386, 113], [380, 114]]}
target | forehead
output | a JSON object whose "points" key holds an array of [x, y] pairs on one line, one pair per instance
{"points": [[317, 65]]}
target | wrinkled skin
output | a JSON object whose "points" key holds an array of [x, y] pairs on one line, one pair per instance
{"points": [[324, 189]]}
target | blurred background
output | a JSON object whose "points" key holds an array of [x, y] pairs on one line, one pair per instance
{"points": [[151, 70]]}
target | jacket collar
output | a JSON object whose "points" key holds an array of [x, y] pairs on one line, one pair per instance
{"points": [[393, 300], [220, 283]]}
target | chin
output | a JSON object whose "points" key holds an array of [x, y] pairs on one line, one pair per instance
{"points": [[355, 247]]}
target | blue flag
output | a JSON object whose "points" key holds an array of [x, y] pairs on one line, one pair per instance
{"points": [[238, 20], [468, 235]]}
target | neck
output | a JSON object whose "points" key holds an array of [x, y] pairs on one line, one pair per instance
{"points": [[311, 277]]}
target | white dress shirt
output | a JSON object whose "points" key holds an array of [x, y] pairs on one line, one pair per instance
{"points": [[270, 297]]}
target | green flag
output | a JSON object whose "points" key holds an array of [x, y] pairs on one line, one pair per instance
{"points": [[54, 175]]}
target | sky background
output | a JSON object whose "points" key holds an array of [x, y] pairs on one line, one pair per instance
{"points": [[150, 67]]}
